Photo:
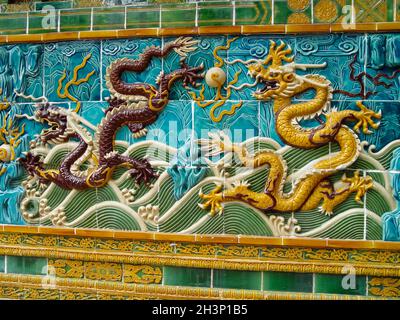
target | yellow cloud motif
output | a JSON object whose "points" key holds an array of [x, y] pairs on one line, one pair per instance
{"points": [[4, 105], [74, 81]]}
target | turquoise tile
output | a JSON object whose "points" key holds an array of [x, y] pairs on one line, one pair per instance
{"points": [[383, 61], [26, 265], [233, 279], [63, 57], [190, 277]]}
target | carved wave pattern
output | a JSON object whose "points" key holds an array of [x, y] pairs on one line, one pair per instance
{"points": [[109, 208]]}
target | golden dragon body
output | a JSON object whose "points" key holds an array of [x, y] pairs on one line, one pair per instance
{"points": [[313, 187]]}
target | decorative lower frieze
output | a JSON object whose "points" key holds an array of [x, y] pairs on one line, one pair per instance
{"points": [[100, 267], [385, 287], [31, 287], [105, 271], [90, 249]]}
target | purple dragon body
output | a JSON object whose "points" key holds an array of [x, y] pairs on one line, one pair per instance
{"points": [[124, 110]]}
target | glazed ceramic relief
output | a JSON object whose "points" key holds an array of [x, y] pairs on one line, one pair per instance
{"points": [[258, 135]]}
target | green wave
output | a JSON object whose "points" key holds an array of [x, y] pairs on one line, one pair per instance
{"points": [[351, 227], [237, 218], [110, 218]]}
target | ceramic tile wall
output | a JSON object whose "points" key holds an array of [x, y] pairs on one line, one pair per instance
{"points": [[356, 68]]}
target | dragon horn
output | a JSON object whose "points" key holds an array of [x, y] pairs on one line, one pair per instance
{"points": [[308, 66], [320, 85]]}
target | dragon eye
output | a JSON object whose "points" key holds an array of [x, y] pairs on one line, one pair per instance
{"points": [[288, 77]]}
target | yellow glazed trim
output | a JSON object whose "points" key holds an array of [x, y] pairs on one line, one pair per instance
{"points": [[200, 238], [36, 287], [214, 30], [232, 256]]}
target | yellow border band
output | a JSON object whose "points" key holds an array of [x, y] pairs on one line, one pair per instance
{"points": [[121, 250], [204, 239], [36, 287], [218, 262], [373, 258], [207, 30]]}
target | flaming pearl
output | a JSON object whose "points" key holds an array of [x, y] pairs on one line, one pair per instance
{"points": [[6, 153], [215, 77]]}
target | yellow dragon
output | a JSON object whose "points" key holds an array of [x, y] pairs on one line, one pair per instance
{"points": [[313, 186]]}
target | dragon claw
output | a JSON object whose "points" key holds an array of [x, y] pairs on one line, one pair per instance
{"points": [[217, 144], [366, 118], [191, 74], [325, 211], [359, 185], [213, 200], [143, 172], [31, 163], [184, 45]]}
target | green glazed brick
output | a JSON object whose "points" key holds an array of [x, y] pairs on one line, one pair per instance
{"points": [[181, 15], [288, 281], [75, 20], [2, 263], [374, 11], [43, 22], [55, 4], [397, 16], [253, 12], [108, 18], [191, 277], [292, 12], [232, 279], [13, 23], [329, 283], [26, 265], [215, 14], [331, 11], [143, 17]]}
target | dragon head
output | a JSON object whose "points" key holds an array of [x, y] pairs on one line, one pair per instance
{"points": [[279, 80], [52, 116]]}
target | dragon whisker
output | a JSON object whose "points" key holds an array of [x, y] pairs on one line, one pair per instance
{"points": [[31, 97], [242, 61], [244, 85], [26, 117]]}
